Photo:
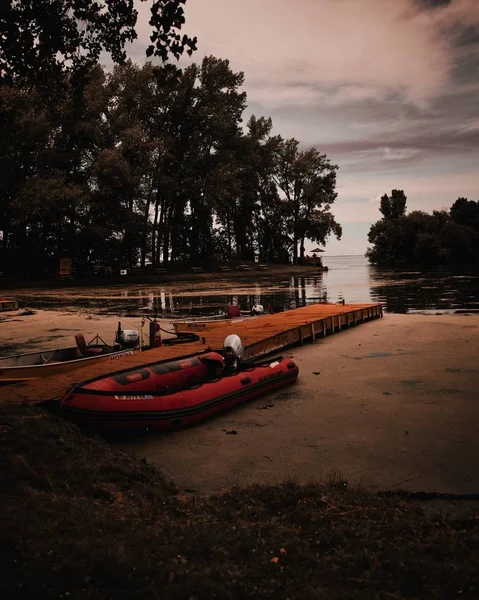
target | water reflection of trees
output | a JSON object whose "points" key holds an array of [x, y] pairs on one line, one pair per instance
{"points": [[399, 291], [306, 290], [435, 289], [283, 295]]}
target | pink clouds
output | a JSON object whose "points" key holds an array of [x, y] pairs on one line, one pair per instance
{"points": [[379, 44], [424, 192], [335, 51], [370, 82]]}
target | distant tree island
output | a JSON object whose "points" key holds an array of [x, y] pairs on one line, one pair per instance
{"points": [[418, 238]]}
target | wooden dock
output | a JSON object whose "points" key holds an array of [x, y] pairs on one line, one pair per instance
{"points": [[271, 333], [261, 336]]}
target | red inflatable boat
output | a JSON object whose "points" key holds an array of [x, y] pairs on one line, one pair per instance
{"points": [[172, 394]]}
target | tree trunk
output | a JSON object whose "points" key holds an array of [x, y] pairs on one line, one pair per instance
{"points": [[127, 238], [301, 251], [154, 232], [295, 239], [303, 233], [146, 220], [166, 235], [228, 225], [161, 231], [295, 251], [144, 243]]}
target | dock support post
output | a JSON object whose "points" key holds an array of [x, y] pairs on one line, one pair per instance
{"points": [[313, 337]]}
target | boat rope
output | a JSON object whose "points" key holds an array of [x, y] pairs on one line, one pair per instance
{"points": [[183, 338], [170, 332]]}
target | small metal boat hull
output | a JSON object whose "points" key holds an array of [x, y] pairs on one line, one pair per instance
{"points": [[25, 367], [199, 325]]}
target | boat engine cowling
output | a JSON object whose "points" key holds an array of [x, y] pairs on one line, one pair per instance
{"points": [[129, 338], [257, 309], [232, 351]]}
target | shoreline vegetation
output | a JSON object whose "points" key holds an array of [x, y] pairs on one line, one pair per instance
{"points": [[177, 174], [171, 275], [83, 520], [445, 237]]}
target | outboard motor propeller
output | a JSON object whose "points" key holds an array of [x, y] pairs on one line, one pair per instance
{"points": [[257, 309], [233, 352]]}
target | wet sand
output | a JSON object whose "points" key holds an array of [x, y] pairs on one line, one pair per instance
{"points": [[393, 403]]}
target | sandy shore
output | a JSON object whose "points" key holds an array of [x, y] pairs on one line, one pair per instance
{"points": [[392, 403], [44, 329]]}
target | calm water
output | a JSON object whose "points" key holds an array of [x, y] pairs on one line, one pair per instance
{"points": [[350, 278]]}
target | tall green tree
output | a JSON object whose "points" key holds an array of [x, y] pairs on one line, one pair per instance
{"points": [[245, 190], [144, 164], [44, 39], [308, 181], [131, 152], [204, 115], [25, 130], [267, 216], [53, 186]]}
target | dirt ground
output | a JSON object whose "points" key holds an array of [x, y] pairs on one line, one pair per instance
{"points": [[80, 519], [392, 404]]}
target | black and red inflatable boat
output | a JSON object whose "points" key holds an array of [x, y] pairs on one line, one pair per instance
{"points": [[172, 394]]}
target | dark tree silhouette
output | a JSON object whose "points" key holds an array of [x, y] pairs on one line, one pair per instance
{"points": [[141, 165], [42, 39], [394, 206], [424, 239]]}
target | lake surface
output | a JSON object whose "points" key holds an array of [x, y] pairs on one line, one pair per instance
{"points": [[349, 278]]}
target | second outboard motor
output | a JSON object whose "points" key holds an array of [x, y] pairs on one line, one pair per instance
{"points": [[258, 309], [129, 338], [126, 338], [233, 352]]}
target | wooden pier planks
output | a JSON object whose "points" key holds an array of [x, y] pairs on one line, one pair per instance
{"points": [[260, 336], [274, 332]]}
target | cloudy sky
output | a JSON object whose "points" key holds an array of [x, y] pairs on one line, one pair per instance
{"points": [[388, 89]]}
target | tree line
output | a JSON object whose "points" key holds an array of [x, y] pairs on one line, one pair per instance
{"points": [[445, 236], [146, 164]]}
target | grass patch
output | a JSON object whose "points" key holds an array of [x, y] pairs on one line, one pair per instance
{"points": [[81, 520]]}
